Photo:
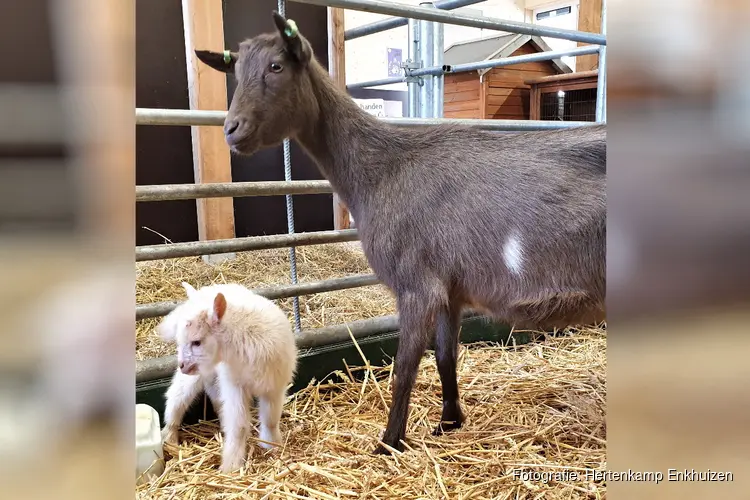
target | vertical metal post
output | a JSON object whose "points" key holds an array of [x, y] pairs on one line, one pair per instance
{"points": [[438, 50], [426, 44], [414, 57], [601, 85], [290, 210]]}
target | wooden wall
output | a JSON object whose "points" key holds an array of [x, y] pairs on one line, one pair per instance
{"points": [[461, 95], [164, 154], [502, 94], [507, 96]]}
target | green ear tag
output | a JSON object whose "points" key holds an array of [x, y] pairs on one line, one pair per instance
{"points": [[291, 29], [227, 57]]}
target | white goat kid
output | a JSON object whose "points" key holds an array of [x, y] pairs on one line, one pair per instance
{"points": [[233, 344]]}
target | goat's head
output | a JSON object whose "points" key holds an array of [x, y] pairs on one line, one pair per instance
{"points": [[192, 326], [274, 95]]}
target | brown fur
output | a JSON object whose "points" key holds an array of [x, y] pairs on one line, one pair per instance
{"points": [[435, 207]]}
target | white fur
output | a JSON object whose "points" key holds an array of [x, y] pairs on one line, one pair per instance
{"points": [[513, 255], [250, 351]]}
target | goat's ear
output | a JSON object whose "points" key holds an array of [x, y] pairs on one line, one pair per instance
{"points": [[189, 290], [167, 329], [296, 45], [218, 309], [220, 61]]}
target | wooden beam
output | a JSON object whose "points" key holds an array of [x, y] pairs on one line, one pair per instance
{"points": [[207, 88], [483, 89], [337, 70], [589, 19]]}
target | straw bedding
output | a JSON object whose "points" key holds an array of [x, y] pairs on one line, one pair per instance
{"points": [[539, 406], [160, 281]]}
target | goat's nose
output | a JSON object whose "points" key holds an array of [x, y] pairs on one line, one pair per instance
{"points": [[182, 365], [230, 126]]}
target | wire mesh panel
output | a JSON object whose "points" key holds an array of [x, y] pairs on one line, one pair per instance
{"points": [[571, 105]]}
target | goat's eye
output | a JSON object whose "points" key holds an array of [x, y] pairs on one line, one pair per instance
{"points": [[196, 343], [276, 67]]}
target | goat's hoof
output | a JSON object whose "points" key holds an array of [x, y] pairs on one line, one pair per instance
{"points": [[444, 427], [382, 450], [170, 436]]}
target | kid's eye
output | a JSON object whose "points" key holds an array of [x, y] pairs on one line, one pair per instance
{"points": [[196, 343], [276, 67]]}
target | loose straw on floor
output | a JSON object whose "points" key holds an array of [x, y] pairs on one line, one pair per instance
{"points": [[537, 407]]}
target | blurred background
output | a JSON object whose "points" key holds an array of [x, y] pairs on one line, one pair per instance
{"points": [[678, 249]]}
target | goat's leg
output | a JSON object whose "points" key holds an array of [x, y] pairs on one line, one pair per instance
{"points": [[446, 355], [270, 406], [181, 393], [234, 423], [417, 327]]}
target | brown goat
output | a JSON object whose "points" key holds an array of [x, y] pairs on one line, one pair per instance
{"points": [[449, 216]]}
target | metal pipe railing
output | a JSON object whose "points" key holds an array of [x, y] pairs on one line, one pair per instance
{"points": [[156, 309], [164, 367], [474, 66], [601, 82], [199, 248], [397, 22], [189, 117], [170, 192], [290, 206], [441, 16], [426, 44]]}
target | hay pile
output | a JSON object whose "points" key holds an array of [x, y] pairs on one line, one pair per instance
{"points": [[160, 280], [534, 407]]}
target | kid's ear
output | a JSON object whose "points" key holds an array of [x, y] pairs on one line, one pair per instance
{"points": [[220, 61], [167, 329], [189, 290], [218, 309]]}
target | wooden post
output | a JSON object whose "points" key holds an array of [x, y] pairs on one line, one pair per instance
{"points": [[204, 29], [589, 19], [337, 70], [483, 89]]}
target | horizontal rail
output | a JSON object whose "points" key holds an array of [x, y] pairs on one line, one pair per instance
{"points": [[474, 66], [198, 248], [157, 309], [441, 16], [187, 117], [509, 61], [163, 367], [169, 192], [493, 125], [397, 22]]}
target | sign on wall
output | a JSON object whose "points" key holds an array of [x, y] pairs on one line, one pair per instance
{"points": [[375, 107], [394, 62]]}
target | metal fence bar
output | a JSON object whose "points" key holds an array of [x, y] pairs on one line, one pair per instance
{"points": [[441, 16], [492, 125], [290, 208], [164, 367], [171, 192], [510, 61], [601, 82], [397, 22], [186, 117], [198, 248], [473, 66], [426, 43], [413, 58], [156, 309], [438, 51]]}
